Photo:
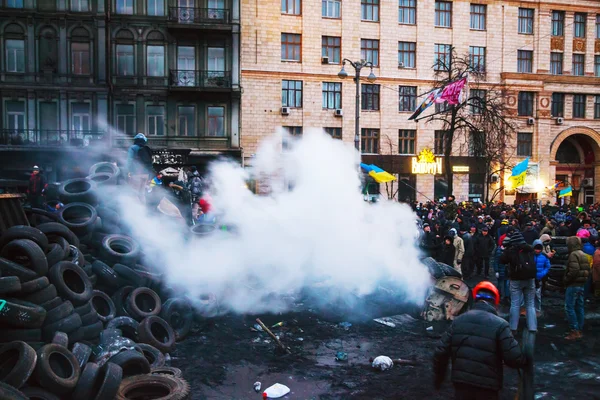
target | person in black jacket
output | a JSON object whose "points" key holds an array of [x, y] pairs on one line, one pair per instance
{"points": [[36, 188], [484, 247], [447, 252], [478, 342], [429, 242], [530, 234]]}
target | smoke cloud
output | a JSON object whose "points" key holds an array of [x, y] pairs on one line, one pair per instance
{"points": [[313, 230]]}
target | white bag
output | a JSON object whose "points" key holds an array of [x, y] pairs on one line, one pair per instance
{"points": [[382, 363], [276, 391]]}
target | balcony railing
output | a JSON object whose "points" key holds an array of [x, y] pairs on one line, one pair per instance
{"points": [[47, 78], [191, 15], [200, 79], [39, 137]]}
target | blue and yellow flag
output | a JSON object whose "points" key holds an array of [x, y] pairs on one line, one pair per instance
{"points": [[519, 173], [379, 175], [566, 192]]}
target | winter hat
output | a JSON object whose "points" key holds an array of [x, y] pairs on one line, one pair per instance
{"points": [[506, 241], [452, 232], [583, 234], [140, 136], [425, 225], [517, 238], [545, 238], [504, 222], [36, 168], [485, 229]]}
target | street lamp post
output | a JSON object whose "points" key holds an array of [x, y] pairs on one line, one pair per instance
{"points": [[358, 66]]}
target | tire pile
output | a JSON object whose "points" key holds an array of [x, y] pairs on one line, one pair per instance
{"points": [[80, 316], [555, 281]]}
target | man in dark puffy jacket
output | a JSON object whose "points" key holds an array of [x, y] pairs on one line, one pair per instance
{"points": [[484, 247], [576, 275], [429, 243], [139, 156], [478, 342]]}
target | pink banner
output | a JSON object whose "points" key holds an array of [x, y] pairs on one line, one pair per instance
{"points": [[451, 93]]}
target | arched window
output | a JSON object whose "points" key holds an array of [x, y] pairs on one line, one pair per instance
{"points": [[155, 54], [125, 53], [80, 52], [47, 49], [14, 49]]}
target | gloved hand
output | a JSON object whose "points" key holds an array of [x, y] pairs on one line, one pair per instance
{"points": [[497, 275]]}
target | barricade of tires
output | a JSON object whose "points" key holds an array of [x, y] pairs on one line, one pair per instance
{"points": [[80, 316]]}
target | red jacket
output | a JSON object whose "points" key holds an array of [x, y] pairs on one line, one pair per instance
{"points": [[37, 183]]}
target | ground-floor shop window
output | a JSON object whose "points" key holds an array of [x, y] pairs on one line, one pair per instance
{"points": [[406, 188], [440, 187]]}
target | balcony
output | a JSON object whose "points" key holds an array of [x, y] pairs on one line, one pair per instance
{"points": [[188, 17], [49, 78], [50, 138], [194, 79], [203, 142]]}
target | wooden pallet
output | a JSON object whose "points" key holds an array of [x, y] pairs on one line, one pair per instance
{"points": [[11, 211]]}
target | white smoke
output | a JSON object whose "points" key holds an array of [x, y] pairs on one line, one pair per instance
{"points": [[321, 232]]}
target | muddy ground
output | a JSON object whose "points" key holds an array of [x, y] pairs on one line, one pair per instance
{"points": [[223, 358]]}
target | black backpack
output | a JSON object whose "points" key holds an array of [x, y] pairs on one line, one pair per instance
{"points": [[524, 268], [144, 156]]}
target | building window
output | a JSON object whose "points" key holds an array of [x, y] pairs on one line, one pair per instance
{"points": [[295, 131], [478, 98], [369, 97], [406, 141], [292, 7], [408, 98], [478, 13], [369, 50], [442, 107], [124, 7], [556, 63], [558, 105], [443, 53], [186, 123], [335, 133], [216, 121], [156, 120], [407, 12], [526, 20], [126, 118], [579, 105], [155, 60], [477, 58], [579, 25], [525, 106], [597, 66], [476, 144], [80, 5], [80, 117], [80, 58], [15, 115], [291, 45], [578, 64], [331, 47], [524, 144], [597, 26], [438, 142], [407, 54], [331, 8], [291, 94], [125, 64], [369, 10], [15, 55], [332, 95], [597, 107], [156, 8], [524, 61], [14, 3], [558, 23], [369, 141], [443, 14]]}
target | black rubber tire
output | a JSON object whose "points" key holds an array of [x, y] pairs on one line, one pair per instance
{"points": [[87, 268], [76, 336], [67, 325], [28, 249], [64, 244], [105, 274], [94, 280], [24, 232], [49, 372], [34, 285], [82, 353], [61, 339], [78, 190], [109, 228], [103, 305], [83, 309], [21, 314], [10, 268], [17, 362], [26, 335], [41, 216], [170, 387], [52, 304], [120, 249], [85, 386], [109, 380], [58, 313], [106, 168], [132, 363], [128, 326], [179, 315], [153, 355], [41, 296], [108, 215], [10, 393], [78, 217], [10, 284], [156, 332], [92, 331], [108, 336], [120, 298], [176, 372], [90, 318], [143, 303], [37, 393], [128, 275], [58, 229], [72, 282]]}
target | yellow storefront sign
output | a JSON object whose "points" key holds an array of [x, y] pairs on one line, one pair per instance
{"points": [[427, 163]]}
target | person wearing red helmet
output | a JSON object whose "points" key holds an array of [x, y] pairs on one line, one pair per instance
{"points": [[478, 343]]}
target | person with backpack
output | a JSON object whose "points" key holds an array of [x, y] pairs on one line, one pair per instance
{"points": [[139, 157], [195, 186], [520, 262], [576, 276]]}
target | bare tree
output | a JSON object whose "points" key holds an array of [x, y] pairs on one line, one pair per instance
{"points": [[482, 120], [391, 188]]}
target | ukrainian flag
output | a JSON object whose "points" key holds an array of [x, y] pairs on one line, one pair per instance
{"points": [[566, 192], [379, 175], [519, 173]]}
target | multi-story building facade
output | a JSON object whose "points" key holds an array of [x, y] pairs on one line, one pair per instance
{"points": [[545, 54], [82, 77]]}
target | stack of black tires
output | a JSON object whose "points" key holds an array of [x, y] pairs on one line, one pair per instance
{"points": [[81, 316], [555, 281]]}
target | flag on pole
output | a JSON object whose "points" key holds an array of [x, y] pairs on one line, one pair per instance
{"points": [[429, 100], [451, 93], [519, 173], [566, 192], [379, 175]]}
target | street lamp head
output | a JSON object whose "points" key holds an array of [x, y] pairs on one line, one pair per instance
{"points": [[342, 74], [371, 78]]}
